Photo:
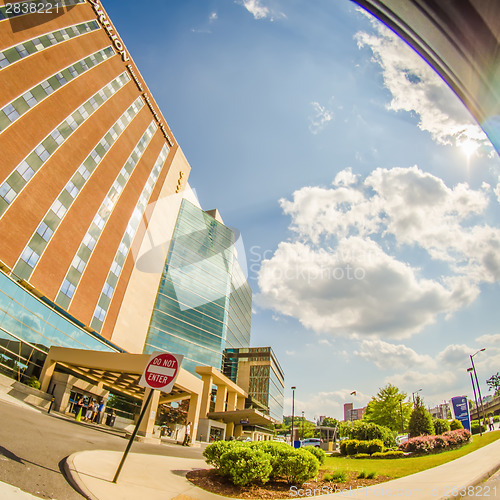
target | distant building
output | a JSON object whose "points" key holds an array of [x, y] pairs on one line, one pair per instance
{"points": [[257, 371], [439, 411], [351, 413]]}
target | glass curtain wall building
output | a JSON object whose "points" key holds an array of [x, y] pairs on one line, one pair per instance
{"points": [[204, 302], [258, 372]]}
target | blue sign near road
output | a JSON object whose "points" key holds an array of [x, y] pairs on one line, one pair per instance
{"points": [[460, 409]]}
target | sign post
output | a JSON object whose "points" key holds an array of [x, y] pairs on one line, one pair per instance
{"points": [[160, 374]]}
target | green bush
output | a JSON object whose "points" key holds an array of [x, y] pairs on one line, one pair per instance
{"points": [[455, 425], [366, 431], [362, 455], [299, 467], [337, 476], [33, 382], [389, 454], [441, 426], [356, 447], [244, 464], [214, 451], [317, 452], [278, 453], [476, 428], [371, 475]]}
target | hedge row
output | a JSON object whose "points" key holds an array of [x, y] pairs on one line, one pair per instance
{"points": [[355, 446], [423, 444], [244, 463]]}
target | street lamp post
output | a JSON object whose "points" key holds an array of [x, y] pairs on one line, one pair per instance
{"points": [[413, 396], [302, 431], [293, 411], [402, 421], [478, 388], [470, 370]]}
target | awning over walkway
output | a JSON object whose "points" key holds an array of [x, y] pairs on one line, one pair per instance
{"points": [[245, 417]]}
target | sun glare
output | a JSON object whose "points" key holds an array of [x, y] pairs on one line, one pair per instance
{"points": [[469, 148]]}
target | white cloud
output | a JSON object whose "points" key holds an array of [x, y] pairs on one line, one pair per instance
{"points": [[489, 339], [456, 355], [437, 382], [393, 357], [357, 290], [416, 88], [261, 11], [322, 116], [213, 17], [341, 273]]}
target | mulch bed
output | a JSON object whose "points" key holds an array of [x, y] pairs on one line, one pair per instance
{"points": [[209, 480]]}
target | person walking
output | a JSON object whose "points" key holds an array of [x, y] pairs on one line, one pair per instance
{"points": [[187, 435], [90, 412], [492, 424]]}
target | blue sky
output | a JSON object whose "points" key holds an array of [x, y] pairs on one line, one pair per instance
{"points": [[367, 197]]}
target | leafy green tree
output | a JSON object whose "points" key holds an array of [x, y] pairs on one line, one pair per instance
{"points": [[494, 383], [389, 409], [420, 420], [329, 422]]}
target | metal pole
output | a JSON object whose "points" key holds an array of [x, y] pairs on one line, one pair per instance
{"points": [[302, 431], [293, 411], [475, 398], [479, 392], [402, 422], [132, 437]]}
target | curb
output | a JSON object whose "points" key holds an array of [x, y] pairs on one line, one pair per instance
{"points": [[73, 478]]}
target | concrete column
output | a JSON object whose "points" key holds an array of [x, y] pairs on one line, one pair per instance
{"points": [[146, 427], [205, 395], [194, 414], [240, 403], [232, 397], [47, 372], [238, 430], [229, 429], [220, 398]]}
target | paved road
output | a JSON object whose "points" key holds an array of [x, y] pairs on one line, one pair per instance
{"points": [[33, 446], [488, 489]]}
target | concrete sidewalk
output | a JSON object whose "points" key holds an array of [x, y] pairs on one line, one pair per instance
{"points": [[160, 477]]}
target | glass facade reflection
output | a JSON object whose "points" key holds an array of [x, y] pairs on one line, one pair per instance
{"points": [[29, 327], [258, 372], [203, 303]]}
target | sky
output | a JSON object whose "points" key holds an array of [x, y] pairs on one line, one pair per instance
{"points": [[366, 195]]}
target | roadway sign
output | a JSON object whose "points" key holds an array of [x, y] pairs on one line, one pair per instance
{"points": [[161, 371]]}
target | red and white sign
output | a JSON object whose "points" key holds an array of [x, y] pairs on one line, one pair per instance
{"points": [[161, 371]]}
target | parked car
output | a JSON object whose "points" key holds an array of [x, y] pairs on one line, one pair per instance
{"points": [[311, 442], [402, 438], [243, 438]]}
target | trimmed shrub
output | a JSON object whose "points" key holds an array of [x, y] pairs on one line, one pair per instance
{"points": [[366, 431], [455, 425], [299, 467], [476, 428], [354, 446], [317, 452], [389, 454], [244, 464], [214, 451], [362, 455], [441, 426], [425, 444], [278, 453]]}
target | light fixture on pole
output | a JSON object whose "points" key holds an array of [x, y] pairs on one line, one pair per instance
{"points": [[478, 388], [293, 411], [470, 370], [413, 395]]}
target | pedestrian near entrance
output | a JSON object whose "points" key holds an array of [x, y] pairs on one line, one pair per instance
{"points": [[90, 412], [98, 413], [187, 435], [79, 409], [492, 424]]}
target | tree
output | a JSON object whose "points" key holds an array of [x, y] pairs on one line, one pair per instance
{"points": [[329, 422], [389, 409], [494, 383], [420, 420]]}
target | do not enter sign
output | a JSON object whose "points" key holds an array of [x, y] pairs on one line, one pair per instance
{"points": [[161, 371]]}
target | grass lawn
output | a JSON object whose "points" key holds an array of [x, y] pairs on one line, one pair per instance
{"points": [[399, 467]]}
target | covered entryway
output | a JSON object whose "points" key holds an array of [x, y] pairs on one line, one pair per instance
{"points": [[120, 373]]}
